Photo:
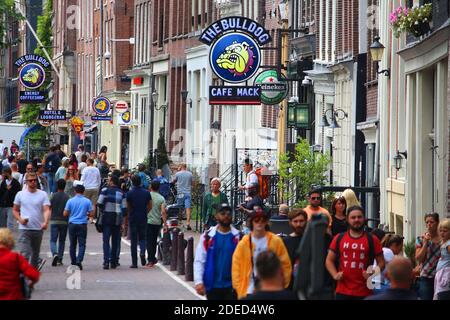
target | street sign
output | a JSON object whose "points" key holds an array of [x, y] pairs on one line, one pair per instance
{"points": [[101, 106], [101, 118], [232, 95], [45, 123], [32, 75], [272, 90], [124, 119], [121, 106], [52, 115], [33, 96]]}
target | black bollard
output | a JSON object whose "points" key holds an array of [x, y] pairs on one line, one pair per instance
{"points": [[166, 248], [174, 256], [190, 260], [180, 263]]}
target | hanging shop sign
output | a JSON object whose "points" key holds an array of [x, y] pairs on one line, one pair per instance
{"points": [[101, 118], [234, 95], [272, 90], [101, 106], [45, 123], [77, 124], [235, 54], [124, 119], [52, 115], [33, 96], [32, 70], [121, 106]]}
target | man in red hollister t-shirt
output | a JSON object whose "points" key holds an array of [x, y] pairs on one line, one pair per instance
{"points": [[353, 258]]}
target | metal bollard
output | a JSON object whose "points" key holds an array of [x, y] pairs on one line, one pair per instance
{"points": [[174, 256], [166, 248], [190, 260], [180, 263]]}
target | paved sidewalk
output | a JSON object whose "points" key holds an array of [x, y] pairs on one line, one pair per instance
{"points": [[123, 283]]}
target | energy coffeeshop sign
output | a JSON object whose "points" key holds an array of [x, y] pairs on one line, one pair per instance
{"points": [[235, 56], [32, 76]]}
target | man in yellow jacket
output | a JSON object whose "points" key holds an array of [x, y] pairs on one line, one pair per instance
{"points": [[243, 271]]}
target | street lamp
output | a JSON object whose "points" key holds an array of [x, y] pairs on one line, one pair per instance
{"points": [[335, 116], [164, 107], [399, 158], [298, 115], [184, 96], [376, 52]]}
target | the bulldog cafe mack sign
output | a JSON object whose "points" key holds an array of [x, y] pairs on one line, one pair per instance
{"points": [[235, 57]]}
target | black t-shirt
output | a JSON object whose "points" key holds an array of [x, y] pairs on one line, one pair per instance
{"points": [[272, 295], [338, 226], [292, 244], [58, 203], [394, 294]]}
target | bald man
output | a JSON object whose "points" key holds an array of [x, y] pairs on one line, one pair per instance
{"points": [[400, 274]]}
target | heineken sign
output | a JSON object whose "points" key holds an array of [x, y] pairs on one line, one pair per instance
{"points": [[272, 90]]}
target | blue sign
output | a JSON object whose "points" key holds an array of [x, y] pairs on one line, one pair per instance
{"points": [[52, 115], [101, 118], [101, 106], [33, 96], [32, 75], [235, 57], [234, 95]]}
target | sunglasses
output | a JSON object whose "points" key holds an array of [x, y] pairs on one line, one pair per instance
{"points": [[316, 198], [260, 219], [29, 169]]}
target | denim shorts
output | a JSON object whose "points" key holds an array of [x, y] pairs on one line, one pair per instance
{"points": [[184, 200]]}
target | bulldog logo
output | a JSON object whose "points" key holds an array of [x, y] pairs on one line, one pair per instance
{"points": [[32, 76], [235, 57], [238, 58], [101, 105]]}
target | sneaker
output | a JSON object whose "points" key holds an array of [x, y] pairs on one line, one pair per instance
{"points": [[106, 266], [55, 260], [113, 266], [79, 265], [188, 227], [60, 263], [143, 261], [133, 266]]}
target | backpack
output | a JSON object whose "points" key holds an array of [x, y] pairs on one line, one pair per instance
{"points": [[371, 248], [263, 183], [52, 163]]}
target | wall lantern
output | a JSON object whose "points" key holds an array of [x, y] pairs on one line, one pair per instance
{"points": [[184, 96], [398, 159], [376, 52]]}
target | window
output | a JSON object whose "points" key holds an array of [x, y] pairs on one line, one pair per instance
{"points": [[135, 113]]}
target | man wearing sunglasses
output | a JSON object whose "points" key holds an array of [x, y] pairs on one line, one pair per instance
{"points": [[244, 258], [32, 210], [213, 257], [314, 208]]}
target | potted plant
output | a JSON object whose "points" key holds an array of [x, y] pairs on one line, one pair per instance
{"points": [[415, 20]]}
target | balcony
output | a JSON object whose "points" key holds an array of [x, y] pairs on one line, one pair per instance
{"points": [[441, 16]]}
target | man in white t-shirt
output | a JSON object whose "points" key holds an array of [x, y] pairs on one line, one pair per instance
{"points": [[252, 178], [32, 210], [80, 152], [82, 165], [91, 180]]}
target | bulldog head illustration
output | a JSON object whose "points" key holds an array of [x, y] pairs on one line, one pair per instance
{"points": [[238, 58], [32, 76]]}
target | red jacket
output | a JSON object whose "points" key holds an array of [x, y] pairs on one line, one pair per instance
{"points": [[11, 265]]}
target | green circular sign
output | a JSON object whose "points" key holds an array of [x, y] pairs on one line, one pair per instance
{"points": [[272, 90]]}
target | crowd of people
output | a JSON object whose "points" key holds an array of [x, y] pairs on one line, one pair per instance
{"points": [[357, 263], [65, 194]]}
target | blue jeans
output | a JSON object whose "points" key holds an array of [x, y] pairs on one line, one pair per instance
{"points": [[110, 232], [138, 233], [426, 288], [119, 240], [77, 235], [58, 231], [51, 181]]}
